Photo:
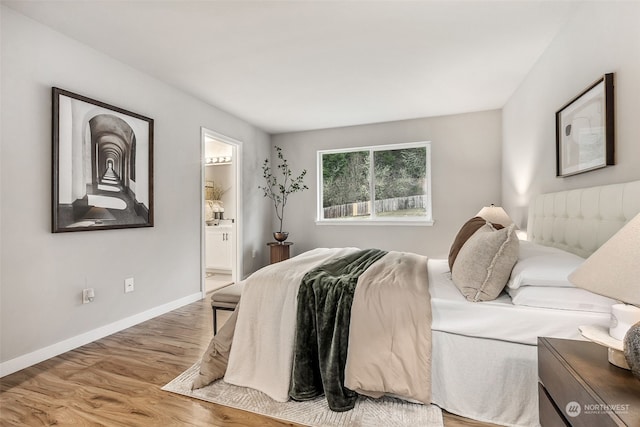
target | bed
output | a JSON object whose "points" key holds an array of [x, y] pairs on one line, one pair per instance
{"points": [[483, 354], [577, 221]]}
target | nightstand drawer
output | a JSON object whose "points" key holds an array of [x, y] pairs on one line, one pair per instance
{"points": [[549, 415]]}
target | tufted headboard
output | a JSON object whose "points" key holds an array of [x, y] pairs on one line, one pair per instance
{"points": [[581, 220]]}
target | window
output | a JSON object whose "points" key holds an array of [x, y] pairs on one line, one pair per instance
{"points": [[381, 184]]}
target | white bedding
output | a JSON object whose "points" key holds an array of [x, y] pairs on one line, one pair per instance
{"points": [[493, 342], [561, 299], [500, 319]]}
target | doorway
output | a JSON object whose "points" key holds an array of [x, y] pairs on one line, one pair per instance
{"points": [[221, 254]]}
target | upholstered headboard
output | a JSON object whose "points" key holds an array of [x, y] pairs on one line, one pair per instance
{"points": [[581, 220]]}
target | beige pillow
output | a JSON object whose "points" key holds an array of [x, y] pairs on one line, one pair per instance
{"points": [[213, 364], [466, 231], [484, 263]]}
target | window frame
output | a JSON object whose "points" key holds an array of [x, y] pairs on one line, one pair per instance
{"points": [[426, 220]]}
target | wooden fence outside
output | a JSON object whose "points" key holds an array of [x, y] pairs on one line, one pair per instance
{"points": [[364, 208]]}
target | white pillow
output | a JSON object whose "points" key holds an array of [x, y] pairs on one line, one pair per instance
{"points": [[540, 265], [561, 299]]}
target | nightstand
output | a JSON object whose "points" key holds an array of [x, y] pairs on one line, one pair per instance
{"points": [[279, 251], [579, 387]]}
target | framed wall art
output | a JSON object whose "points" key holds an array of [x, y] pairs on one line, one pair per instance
{"points": [[585, 130], [102, 165]]}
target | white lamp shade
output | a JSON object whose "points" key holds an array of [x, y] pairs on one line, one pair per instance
{"points": [[614, 269], [496, 215]]}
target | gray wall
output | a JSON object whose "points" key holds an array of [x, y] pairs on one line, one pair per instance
{"points": [[466, 175], [602, 37], [42, 274]]}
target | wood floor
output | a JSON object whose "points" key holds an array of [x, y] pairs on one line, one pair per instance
{"points": [[116, 381]]}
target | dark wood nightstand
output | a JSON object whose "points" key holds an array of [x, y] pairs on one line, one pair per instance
{"points": [[579, 387], [279, 251]]}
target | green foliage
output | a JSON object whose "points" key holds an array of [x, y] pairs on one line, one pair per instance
{"points": [[345, 178], [398, 173], [280, 183]]}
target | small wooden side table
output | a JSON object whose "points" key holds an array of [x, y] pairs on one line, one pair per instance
{"points": [[279, 251]]}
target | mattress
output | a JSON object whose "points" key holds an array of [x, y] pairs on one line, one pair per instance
{"points": [[500, 319]]}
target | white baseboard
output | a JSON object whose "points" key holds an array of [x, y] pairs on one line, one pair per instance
{"points": [[30, 359]]}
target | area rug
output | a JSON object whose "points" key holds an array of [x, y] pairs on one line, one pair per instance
{"points": [[385, 411]]}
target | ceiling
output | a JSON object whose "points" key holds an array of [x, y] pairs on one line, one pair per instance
{"points": [[299, 65]]}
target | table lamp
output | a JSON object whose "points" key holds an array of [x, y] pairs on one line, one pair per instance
{"points": [[614, 271], [496, 215]]}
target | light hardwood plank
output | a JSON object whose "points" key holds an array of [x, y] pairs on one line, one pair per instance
{"points": [[116, 381]]}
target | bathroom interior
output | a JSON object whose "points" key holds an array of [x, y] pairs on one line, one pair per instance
{"points": [[219, 213]]}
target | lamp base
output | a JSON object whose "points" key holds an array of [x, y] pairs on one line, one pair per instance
{"points": [[616, 357], [615, 348]]}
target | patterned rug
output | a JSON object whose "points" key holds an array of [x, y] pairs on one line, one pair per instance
{"points": [[386, 411]]}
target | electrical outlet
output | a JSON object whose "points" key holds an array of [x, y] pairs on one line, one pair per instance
{"points": [[87, 295], [128, 285]]}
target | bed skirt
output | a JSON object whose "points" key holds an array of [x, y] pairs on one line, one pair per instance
{"points": [[461, 368]]}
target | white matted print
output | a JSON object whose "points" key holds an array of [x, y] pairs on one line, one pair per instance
{"points": [[585, 130]]}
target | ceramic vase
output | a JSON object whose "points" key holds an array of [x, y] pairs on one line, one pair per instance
{"points": [[280, 236], [632, 349]]}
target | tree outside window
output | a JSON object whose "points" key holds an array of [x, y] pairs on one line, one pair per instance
{"points": [[384, 183]]}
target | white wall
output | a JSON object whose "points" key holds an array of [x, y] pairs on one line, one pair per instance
{"points": [[42, 274], [466, 175], [601, 37]]}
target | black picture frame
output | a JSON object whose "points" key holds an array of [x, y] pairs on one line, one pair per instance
{"points": [[585, 130], [102, 165]]}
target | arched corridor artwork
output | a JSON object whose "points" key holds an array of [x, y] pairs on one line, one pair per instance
{"points": [[102, 165]]}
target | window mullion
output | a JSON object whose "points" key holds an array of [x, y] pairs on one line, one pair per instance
{"points": [[372, 185], [320, 179]]}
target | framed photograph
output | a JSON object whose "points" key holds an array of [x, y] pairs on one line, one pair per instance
{"points": [[102, 165], [585, 130]]}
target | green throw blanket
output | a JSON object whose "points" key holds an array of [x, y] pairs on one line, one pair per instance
{"points": [[322, 331]]}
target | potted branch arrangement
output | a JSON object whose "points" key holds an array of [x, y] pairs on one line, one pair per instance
{"points": [[279, 185]]}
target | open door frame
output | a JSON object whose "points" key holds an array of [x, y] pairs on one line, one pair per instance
{"points": [[237, 234]]}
